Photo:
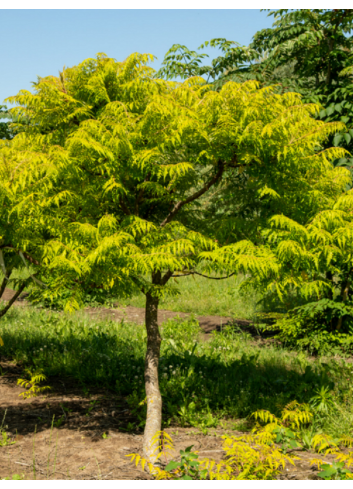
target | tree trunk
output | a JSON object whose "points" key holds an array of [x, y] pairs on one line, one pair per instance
{"points": [[4, 283], [344, 295], [3, 287], [154, 398], [329, 276]]}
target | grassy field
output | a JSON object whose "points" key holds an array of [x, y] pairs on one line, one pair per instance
{"points": [[202, 383], [201, 296], [198, 295]]}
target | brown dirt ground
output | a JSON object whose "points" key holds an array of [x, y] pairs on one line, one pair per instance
{"points": [[76, 449]]}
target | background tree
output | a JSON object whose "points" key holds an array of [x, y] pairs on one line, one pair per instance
{"points": [[117, 167], [11, 124], [5, 131], [318, 45], [318, 42], [308, 51]]}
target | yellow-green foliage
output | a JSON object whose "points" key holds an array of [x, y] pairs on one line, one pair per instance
{"points": [[248, 457], [293, 415], [303, 257], [100, 184], [32, 385], [255, 456], [340, 468]]}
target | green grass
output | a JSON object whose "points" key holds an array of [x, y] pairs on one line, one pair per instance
{"points": [[203, 297], [201, 382], [198, 295]]}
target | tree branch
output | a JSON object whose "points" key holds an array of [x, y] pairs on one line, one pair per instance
{"points": [[166, 277], [18, 293], [4, 282], [140, 195], [124, 207], [202, 275], [28, 257], [194, 196]]}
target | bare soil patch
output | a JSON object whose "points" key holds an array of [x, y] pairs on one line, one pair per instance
{"points": [[76, 449]]}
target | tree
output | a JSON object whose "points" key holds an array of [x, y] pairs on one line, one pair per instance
{"points": [[118, 161]]}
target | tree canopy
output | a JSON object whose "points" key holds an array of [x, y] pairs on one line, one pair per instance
{"points": [[119, 148]]}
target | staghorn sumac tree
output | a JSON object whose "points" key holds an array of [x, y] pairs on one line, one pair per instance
{"points": [[121, 165]]}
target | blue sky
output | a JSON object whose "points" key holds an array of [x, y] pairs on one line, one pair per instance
{"points": [[41, 42]]}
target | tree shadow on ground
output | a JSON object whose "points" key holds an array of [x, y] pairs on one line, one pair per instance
{"points": [[89, 409], [193, 387]]}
